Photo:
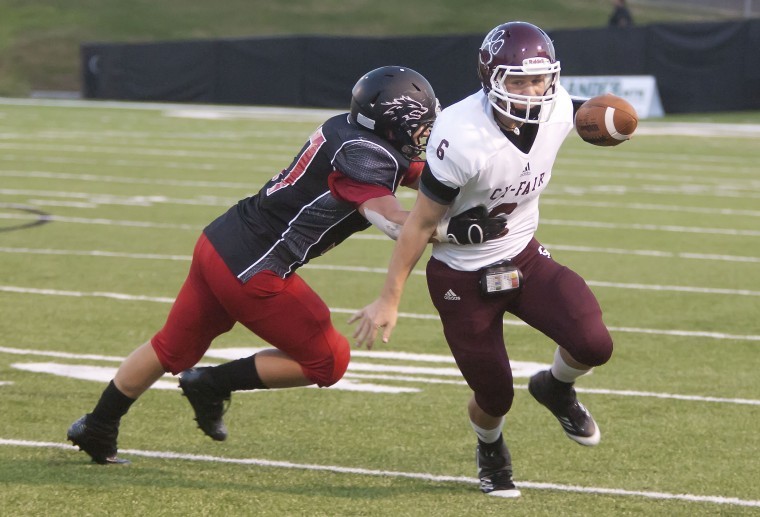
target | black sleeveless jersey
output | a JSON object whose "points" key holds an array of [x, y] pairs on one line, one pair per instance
{"points": [[295, 217]]}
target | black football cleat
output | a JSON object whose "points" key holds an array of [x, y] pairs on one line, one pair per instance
{"points": [[560, 399], [207, 401], [495, 469], [97, 440]]}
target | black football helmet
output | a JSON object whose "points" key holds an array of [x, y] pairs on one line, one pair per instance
{"points": [[398, 99], [518, 48]]}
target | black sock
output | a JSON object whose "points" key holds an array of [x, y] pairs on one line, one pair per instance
{"points": [[559, 383], [491, 446], [112, 405], [237, 375]]}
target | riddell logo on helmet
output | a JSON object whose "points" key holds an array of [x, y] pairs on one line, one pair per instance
{"points": [[535, 61]]}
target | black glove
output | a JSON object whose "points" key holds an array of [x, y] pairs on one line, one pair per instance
{"points": [[472, 227]]}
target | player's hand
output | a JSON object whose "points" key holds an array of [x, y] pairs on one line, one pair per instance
{"points": [[375, 316], [472, 227]]}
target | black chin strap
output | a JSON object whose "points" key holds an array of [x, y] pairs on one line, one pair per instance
{"points": [[506, 129]]}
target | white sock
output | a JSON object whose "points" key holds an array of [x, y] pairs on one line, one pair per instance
{"points": [[488, 435], [562, 371]]}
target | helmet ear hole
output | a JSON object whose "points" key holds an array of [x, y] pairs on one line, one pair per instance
{"points": [[391, 100]]}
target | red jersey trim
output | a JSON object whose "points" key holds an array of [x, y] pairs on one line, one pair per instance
{"points": [[413, 173], [352, 191]]}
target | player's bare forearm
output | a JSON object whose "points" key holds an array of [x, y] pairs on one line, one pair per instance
{"points": [[387, 215], [383, 312], [409, 247]]}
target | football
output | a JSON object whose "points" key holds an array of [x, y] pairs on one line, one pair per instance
{"points": [[606, 120]]}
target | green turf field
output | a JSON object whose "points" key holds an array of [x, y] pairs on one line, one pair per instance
{"points": [[665, 229]]}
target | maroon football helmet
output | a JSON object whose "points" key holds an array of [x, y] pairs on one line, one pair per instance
{"points": [[518, 48]]}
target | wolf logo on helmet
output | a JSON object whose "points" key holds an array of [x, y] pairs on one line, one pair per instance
{"points": [[406, 108]]}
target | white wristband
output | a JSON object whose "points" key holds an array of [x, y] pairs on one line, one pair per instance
{"points": [[389, 228]]}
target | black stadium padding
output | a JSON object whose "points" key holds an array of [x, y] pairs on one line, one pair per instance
{"points": [[701, 67]]}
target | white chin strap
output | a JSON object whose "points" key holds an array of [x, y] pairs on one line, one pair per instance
{"points": [[505, 105], [511, 104]]}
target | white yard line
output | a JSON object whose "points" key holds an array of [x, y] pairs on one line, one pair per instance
{"points": [[529, 485], [212, 111], [223, 202], [391, 371], [560, 247], [102, 221], [96, 253], [361, 269], [206, 111], [651, 227], [545, 222], [549, 199], [682, 186], [139, 151], [158, 299], [124, 179]]}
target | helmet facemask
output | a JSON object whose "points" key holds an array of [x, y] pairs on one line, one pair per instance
{"points": [[412, 138], [531, 109], [411, 134]]}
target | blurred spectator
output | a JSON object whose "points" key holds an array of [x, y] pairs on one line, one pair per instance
{"points": [[621, 15]]}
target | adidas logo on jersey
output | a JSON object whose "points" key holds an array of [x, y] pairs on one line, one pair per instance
{"points": [[451, 296], [526, 171]]}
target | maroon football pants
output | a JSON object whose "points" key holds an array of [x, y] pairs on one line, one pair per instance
{"points": [[554, 300]]}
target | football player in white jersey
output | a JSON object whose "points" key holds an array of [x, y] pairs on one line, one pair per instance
{"points": [[496, 149]]}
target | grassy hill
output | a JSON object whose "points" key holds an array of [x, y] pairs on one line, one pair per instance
{"points": [[39, 41]]}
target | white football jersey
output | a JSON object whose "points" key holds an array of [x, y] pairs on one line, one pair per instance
{"points": [[467, 150]]}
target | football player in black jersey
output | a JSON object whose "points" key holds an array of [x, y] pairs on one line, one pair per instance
{"points": [[244, 264]]}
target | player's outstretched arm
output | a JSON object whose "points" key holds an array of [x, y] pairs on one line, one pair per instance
{"points": [[471, 227], [414, 236]]}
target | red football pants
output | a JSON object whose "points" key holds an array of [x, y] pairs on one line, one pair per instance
{"points": [[286, 313]]}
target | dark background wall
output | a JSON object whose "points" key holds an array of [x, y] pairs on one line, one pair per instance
{"points": [[699, 67]]}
